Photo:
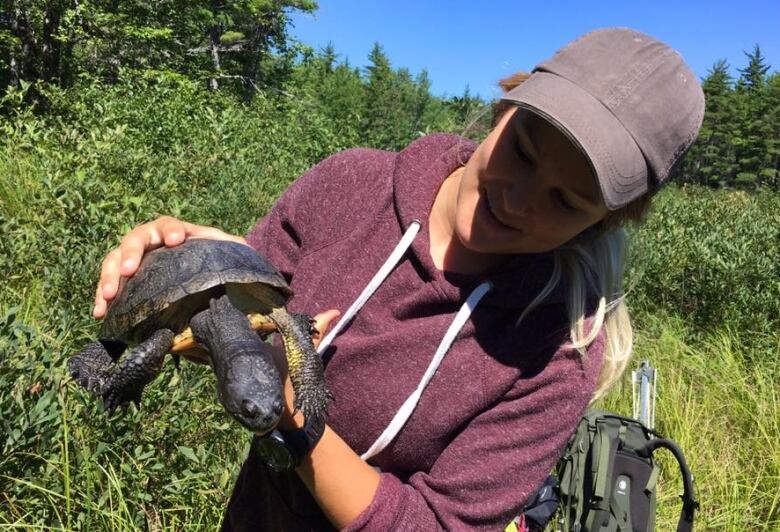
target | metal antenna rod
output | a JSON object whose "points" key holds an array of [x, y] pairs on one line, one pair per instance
{"points": [[643, 390]]}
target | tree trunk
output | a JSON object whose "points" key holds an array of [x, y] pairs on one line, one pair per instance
{"points": [[28, 64], [214, 47], [13, 78], [251, 64], [214, 51], [50, 45], [67, 66]]}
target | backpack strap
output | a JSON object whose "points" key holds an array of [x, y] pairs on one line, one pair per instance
{"points": [[690, 504], [603, 456]]}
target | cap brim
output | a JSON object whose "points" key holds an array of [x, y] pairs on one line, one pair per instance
{"points": [[614, 156]]}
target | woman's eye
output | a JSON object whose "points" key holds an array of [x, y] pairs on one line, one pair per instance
{"points": [[561, 199], [521, 154]]}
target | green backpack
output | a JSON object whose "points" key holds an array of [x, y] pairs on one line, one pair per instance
{"points": [[608, 477]]}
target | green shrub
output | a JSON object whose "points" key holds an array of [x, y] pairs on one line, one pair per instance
{"points": [[104, 160], [712, 256]]}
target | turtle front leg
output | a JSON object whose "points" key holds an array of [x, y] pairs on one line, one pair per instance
{"points": [[304, 364], [140, 367], [91, 367]]}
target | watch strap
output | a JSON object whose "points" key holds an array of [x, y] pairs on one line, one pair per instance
{"points": [[301, 441]]}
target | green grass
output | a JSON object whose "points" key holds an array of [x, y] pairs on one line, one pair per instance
{"points": [[703, 288], [724, 411]]}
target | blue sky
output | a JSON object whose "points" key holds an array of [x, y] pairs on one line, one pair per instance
{"points": [[475, 43]]}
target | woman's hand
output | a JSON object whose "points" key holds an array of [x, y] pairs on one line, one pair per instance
{"points": [[322, 322], [123, 261]]}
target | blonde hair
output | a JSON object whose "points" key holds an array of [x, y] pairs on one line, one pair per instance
{"points": [[592, 265], [588, 266]]}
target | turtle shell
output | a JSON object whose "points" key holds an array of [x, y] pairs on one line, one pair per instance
{"points": [[173, 284]]}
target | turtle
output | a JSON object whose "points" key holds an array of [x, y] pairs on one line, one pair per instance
{"points": [[208, 294]]}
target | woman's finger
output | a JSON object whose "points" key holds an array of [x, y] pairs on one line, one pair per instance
{"points": [[323, 322], [108, 283], [172, 231], [99, 308], [165, 230], [131, 249], [205, 231], [109, 274]]}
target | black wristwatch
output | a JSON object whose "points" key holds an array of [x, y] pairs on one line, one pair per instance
{"points": [[285, 450]]}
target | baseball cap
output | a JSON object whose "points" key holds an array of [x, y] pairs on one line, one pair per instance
{"points": [[627, 100]]}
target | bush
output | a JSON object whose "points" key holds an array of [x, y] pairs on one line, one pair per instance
{"points": [[104, 160], [711, 256]]}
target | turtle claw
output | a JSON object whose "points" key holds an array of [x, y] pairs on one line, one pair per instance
{"points": [[91, 367], [114, 399]]}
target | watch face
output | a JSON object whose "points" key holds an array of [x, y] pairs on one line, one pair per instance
{"points": [[274, 453]]}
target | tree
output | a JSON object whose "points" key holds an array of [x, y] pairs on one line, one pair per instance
{"points": [[55, 41], [754, 74], [771, 175], [752, 149], [469, 110], [35, 40], [380, 104], [711, 160]]}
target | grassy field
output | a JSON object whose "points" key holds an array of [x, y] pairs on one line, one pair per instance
{"points": [[704, 286]]}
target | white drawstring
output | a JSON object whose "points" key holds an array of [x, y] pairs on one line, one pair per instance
{"points": [[372, 285], [403, 414]]}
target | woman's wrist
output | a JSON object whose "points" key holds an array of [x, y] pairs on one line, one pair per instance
{"points": [[345, 484]]}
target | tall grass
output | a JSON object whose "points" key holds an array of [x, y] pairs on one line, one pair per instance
{"points": [[723, 408], [704, 291]]}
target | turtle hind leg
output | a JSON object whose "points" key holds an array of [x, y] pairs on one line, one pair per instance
{"points": [[140, 367], [91, 367], [304, 364]]}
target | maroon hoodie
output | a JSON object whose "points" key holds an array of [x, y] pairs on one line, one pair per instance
{"points": [[495, 417]]}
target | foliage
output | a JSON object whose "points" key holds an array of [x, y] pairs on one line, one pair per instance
{"points": [[712, 256], [739, 142], [62, 42], [719, 399], [103, 160], [242, 47]]}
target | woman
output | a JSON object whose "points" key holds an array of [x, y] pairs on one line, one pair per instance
{"points": [[509, 263]]}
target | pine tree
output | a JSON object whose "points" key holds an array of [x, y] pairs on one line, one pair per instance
{"points": [[753, 76], [711, 160], [431, 113], [471, 112], [771, 171], [343, 98], [381, 106], [752, 149]]}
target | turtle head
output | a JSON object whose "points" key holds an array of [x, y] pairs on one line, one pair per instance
{"points": [[248, 383], [252, 392]]}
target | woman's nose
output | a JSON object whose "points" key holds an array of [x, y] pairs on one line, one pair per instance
{"points": [[520, 200]]}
